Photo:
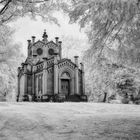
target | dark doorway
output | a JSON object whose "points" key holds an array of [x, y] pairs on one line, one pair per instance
{"points": [[65, 87]]}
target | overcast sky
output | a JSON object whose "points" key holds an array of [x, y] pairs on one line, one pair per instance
{"points": [[25, 28]]}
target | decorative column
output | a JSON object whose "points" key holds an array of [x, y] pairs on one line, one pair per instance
{"points": [[45, 76], [45, 52], [33, 81], [18, 85], [55, 75], [56, 40], [34, 54], [76, 76], [83, 78], [25, 79], [72, 85], [33, 39], [36, 83], [29, 43], [60, 49]]}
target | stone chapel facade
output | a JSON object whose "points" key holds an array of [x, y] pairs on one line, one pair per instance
{"points": [[46, 76]]}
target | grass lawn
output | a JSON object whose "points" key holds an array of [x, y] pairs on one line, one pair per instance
{"points": [[69, 121]]}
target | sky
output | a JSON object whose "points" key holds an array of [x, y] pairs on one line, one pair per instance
{"points": [[25, 28]]}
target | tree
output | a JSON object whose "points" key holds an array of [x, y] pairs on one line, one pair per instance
{"points": [[10, 59], [127, 83], [110, 24], [113, 30], [13, 9], [106, 21]]}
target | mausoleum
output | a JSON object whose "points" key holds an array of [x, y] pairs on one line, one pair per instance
{"points": [[46, 76]]}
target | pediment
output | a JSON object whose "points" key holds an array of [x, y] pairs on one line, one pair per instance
{"points": [[66, 62], [38, 44], [51, 44]]}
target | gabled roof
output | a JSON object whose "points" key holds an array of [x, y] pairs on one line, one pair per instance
{"points": [[65, 59], [68, 60], [52, 43], [39, 42]]}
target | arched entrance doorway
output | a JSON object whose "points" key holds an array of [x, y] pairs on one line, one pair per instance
{"points": [[65, 84], [65, 87]]}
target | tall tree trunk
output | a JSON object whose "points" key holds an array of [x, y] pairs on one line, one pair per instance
{"points": [[105, 95]]}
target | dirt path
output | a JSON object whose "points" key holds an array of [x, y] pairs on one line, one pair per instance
{"points": [[69, 121]]}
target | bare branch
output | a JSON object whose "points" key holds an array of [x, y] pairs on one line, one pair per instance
{"points": [[5, 7], [7, 19]]}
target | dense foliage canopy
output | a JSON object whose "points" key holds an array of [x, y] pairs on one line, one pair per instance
{"points": [[13, 9]]}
